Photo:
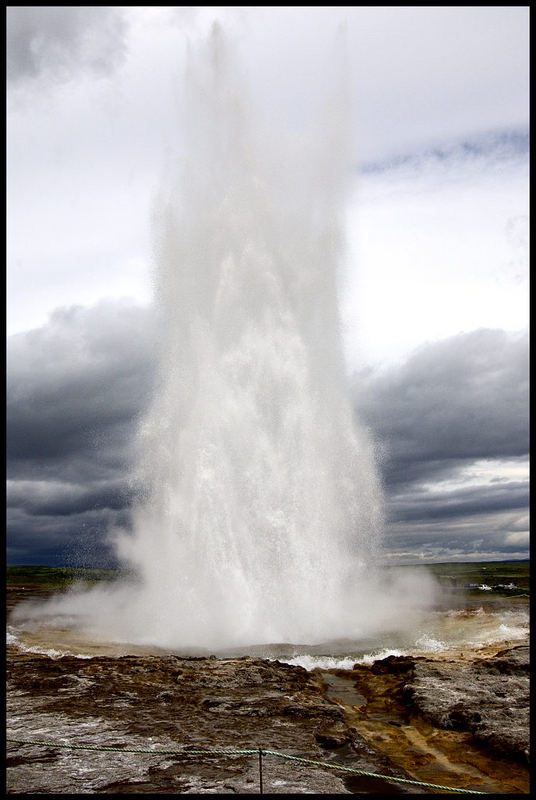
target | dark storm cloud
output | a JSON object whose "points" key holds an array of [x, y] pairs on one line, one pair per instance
{"points": [[73, 540], [452, 427], [74, 393], [77, 386], [463, 502], [60, 41], [52, 499], [452, 402], [489, 537], [76, 381]]}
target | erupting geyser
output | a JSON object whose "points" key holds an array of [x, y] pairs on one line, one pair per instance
{"points": [[259, 510], [260, 501]]}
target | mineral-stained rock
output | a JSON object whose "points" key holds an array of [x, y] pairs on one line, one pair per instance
{"points": [[382, 719], [395, 665], [180, 705], [488, 697]]}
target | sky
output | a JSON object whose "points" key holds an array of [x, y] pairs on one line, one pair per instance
{"points": [[433, 287]]}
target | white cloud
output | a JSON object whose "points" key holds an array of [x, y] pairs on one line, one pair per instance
{"points": [[481, 473], [433, 254], [56, 43], [519, 539], [416, 74], [438, 246]]}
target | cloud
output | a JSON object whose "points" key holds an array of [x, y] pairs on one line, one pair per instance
{"points": [[59, 42], [452, 429], [50, 498], [461, 502], [75, 389], [490, 536], [491, 148], [438, 245], [64, 540], [443, 235], [452, 423], [453, 401], [79, 378]]}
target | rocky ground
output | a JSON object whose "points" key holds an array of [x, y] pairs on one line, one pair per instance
{"points": [[461, 724]]}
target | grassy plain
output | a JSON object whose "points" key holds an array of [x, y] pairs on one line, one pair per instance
{"points": [[496, 574], [457, 574], [43, 577]]}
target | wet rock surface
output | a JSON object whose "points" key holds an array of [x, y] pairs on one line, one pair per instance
{"points": [[461, 723], [178, 704], [488, 697]]}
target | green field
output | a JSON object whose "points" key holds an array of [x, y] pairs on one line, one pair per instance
{"points": [[56, 577], [496, 574], [459, 575]]}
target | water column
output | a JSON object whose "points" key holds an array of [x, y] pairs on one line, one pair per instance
{"points": [[259, 505]]}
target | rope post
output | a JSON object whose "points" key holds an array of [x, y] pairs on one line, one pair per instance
{"points": [[260, 770]]}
